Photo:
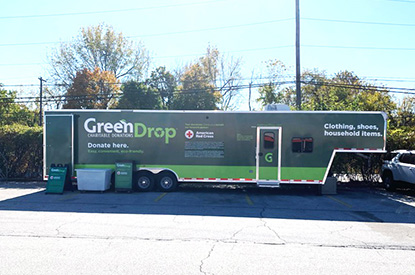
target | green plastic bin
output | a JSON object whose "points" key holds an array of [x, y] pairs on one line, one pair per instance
{"points": [[124, 176]]}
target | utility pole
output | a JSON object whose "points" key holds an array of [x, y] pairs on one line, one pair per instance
{"points": [[249, 99], [297, 54], [40, 100]]}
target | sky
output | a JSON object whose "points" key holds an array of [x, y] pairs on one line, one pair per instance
{"points": [[375, 39]]}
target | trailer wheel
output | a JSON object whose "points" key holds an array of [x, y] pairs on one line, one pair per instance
{"points": [[144, 181], [166, 182]]}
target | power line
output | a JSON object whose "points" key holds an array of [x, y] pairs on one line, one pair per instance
{"points": [[24, 64], [102, 96], [358, 86], [403, 1], [359, 48], [28, 44], [176, 56], [213, 28], [35, 99], [390, 80], [370, 78], [106, 11], [236, 51], [57, 84], [27, 85], [384, 89], [358, 22], [256, 49], [225, 27], [119, 83], [164, 34]]}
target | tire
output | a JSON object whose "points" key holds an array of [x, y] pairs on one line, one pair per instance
{"points": [[166, 182], [388, 182], [144, 181]]}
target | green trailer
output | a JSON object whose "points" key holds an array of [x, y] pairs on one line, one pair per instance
{"points": [[169, 147]]}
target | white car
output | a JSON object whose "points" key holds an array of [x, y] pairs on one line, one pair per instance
{"points": [[400, 170]]}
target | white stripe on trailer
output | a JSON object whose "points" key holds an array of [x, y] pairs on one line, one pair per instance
{"points": [[216, 180], [360, 149], [295, 181]]}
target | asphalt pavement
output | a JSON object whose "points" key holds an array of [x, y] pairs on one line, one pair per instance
{"points": [[207, 230]]}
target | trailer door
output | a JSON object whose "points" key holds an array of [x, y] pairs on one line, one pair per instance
{"points": [[58, 142], [268, 155]]}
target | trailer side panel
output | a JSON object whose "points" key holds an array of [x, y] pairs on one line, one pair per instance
{"points": [[222, 146]]}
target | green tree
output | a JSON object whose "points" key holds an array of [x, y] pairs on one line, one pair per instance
{"points": [[272, 92], [405, 115], [20, 139], [98, 47], [347, 92], [317, 94], [14, 113], [400, 138], [209, 83], [196, 91], [20, 151], [137, 95], [92, 90], [165, 83], [219, 72], [268, 94], [401, 128], [343, 92]]}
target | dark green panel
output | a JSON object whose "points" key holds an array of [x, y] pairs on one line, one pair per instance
{"points": [[58, 141]]}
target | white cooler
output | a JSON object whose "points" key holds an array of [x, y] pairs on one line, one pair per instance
{"points": [[94, 179]]}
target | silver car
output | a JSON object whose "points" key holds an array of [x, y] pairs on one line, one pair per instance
{"points": [[400, 170]]}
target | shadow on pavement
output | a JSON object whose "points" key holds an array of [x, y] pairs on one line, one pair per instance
{"points": [[290, 202]]}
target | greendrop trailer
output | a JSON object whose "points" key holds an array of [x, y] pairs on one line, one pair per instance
{"points": [[168, 147]]}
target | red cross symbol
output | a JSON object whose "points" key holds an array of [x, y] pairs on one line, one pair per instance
{"points": [[189, 134]]}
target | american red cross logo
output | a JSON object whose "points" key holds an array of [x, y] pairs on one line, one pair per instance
{"points": [[189, 134]]}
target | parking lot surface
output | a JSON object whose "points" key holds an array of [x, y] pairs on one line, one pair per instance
{"points": [[207, 229]]}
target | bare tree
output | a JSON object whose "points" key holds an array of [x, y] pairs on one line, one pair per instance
{"points": [[229, 81], [223, 72]]}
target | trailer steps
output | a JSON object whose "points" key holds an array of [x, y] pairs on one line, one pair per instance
{"points": [[268, 183]]}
